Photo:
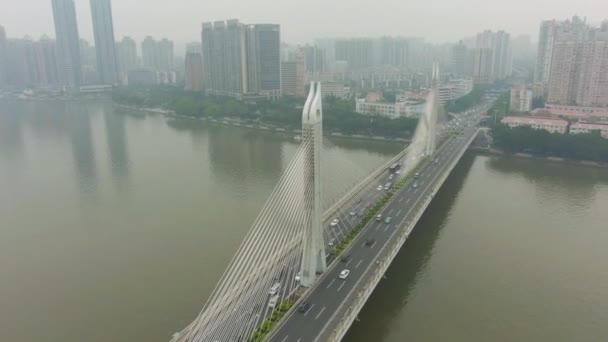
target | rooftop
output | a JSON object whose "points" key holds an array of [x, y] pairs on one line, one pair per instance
{"points": [[527, 120]]}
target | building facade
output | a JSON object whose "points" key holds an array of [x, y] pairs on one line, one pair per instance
{"points": [[126, 52], [194, 71], [142, 76], [3, 81], [68, 43], [492, 60], [357, 52], [579, 68], [241, 59], [292, 78], [548, 124], [105, 46], [586, 128], [521, 98], [454, 89]]}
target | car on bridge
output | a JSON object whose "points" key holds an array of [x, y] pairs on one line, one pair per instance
{"points": [[334, 222], [304, 307], [273, 301], [298, 277], [274, 289], [370, 241], [344, 274], [415, 185], [388, 219], [332, 242], [379, 188], [345, 258], [379, 217], [353, 213]]}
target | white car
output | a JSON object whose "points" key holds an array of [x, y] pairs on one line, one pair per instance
{"points": [[344, 274], [398, 172], [298, 276], [274, 289], [334, 222], [380, 188]]}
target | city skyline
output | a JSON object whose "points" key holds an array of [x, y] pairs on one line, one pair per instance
{"points": [[294, 29]]}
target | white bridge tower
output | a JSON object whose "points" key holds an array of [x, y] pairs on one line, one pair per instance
{"points": [[313, 258]]}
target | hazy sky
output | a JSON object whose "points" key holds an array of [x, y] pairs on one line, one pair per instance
{"points": [[304, 20]]}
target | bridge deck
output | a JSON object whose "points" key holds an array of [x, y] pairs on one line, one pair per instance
{"points": [[334, 301]]}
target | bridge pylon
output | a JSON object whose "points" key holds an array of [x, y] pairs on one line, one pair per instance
{"points": [[432, 112], [313, 258]]}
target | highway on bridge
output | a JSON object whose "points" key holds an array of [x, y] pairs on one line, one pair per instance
{"points": [[330, 292]]}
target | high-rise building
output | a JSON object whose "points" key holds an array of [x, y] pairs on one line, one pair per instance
{"points": [[459, 59], [126, 52], [194, 71], [391, 51], [46, 60], [578, 73], [265, 58], [550, 31], [314, 58], [103, 29], [497, 45], [521, 98], [195, 47], [88, 60], [358, 52], [240, 59], [292, 77], [157, 55], [482, 61], [68, 47], [30, 63]]}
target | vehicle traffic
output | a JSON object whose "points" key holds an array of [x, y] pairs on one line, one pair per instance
{"points": [[274, 289], [334, 222], [344, 274]]}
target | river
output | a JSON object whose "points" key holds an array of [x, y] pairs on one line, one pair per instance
{"points": [[116, 227]]}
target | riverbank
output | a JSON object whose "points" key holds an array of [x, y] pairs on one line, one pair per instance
{"points": [[549, 159], [257, 125]]}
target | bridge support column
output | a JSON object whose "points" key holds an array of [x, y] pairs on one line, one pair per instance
{"points": [[431, 113], [313, 258]]}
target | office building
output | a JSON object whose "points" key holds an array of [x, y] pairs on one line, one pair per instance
{"points": [[454, 89], [521, 98], [126, 52], [194, 47], [482, 65], [194, 71], [292, 77], [241, 59], [105, 48], [68, 46]]}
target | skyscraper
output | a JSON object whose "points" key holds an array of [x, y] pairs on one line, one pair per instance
{"points": [[68, 48], [358, 52], [459, 59], [157, 55], [578, 74], [126, 52], [550, 31], [496, 47], [103, 28], [265, 58], [194, 71], [240, 59]]}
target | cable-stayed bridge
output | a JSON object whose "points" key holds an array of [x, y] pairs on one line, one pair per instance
{"points": [[284, 283]]}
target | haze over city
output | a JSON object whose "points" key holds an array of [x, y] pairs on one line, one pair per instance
{"points": [[303, 21], [311, 171]]}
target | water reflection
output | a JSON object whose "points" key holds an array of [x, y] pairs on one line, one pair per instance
{"points": [[116, 137], [391, 295], [552, 179], [11, 133], [83, 150]]}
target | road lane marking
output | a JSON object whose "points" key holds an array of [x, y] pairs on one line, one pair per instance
{"points": [[332, 281], [390, 212], [285, 339], [408, 201], [348, 262], [320, 312], [400, 199], [300, 339], [309, 310], [359, 263], [339, 288], [398, 213], [415, 191], [387, 227]]}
